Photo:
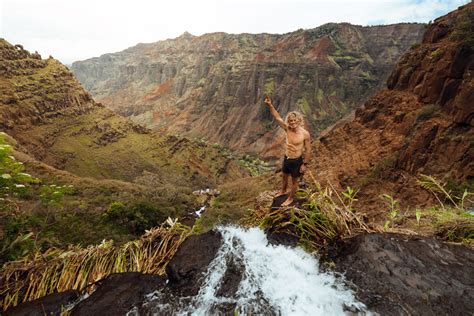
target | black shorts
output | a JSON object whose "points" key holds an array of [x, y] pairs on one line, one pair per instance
{"points": [[292, 166]]}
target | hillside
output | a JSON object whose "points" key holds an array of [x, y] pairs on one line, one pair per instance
{"points": [[46, 110], [74, 172], [213, 85], [422, 123]]}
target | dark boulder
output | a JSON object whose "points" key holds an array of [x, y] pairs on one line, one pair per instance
{"points": [[408, 275], [187, 267], [51, 304], [119, 293]]}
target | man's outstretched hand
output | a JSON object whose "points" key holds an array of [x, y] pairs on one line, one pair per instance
{"points": [[268, 101]]}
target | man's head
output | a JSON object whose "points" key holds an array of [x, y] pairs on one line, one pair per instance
{"points": [[294, 119]]}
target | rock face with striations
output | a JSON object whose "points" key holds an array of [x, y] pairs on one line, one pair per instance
{"points": [[421, 124], [213, 85]]}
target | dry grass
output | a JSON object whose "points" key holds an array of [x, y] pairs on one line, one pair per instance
{"points": [[78, 268], [324, 215]]}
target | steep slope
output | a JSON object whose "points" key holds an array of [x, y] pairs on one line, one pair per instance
{"points": [[96, 174], [213, 85], [47, 111], [421, 124]]}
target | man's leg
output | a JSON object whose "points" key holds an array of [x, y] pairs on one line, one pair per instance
{"points": [[294, 188], [284, 184]]}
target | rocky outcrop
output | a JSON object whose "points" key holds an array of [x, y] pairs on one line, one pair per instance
{"points": [[408, 275], [422, 123], [213, 85]]}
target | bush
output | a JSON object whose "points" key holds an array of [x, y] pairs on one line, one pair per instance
{"points": [[464, 29], [428, 112], [136, 218]]}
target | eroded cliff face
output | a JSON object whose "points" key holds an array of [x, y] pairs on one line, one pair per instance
{"points": [[421, 124], [46, 110], [213, 85]]}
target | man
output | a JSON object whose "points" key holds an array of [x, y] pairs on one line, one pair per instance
{"points": [[298, 144]]}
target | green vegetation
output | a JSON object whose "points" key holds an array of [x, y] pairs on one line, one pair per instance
{"points": [[392, 210], [464, 29], [136, 218], [253, 164], [451, 219], [303, 105], [437, 54], [427, 112], [320, 96], [442, 193], [269, 86], [38, 213]]}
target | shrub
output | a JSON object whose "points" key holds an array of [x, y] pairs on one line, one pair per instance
{"points": [[428, 112], [464, 29], [136, 218]]}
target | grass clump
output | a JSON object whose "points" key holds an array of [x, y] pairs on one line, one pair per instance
{"points": [[324, 215], [77, 268], [452, 219]]}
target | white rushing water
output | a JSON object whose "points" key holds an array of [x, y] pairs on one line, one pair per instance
{"points": [[276, 280]]}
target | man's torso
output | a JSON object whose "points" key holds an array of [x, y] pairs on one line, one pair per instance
{"points": [[295, 142]]}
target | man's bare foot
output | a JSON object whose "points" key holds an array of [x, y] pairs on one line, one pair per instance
{"points": [[287, 202], [281, 193]]}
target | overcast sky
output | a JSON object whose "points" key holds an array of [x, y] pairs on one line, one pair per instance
{"points": [[71, 30]]}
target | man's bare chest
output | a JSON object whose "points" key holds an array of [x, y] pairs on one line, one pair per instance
{"points": [[295, 138]]}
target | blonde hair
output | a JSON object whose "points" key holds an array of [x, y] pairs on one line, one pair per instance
{"points": [[296, 115]]}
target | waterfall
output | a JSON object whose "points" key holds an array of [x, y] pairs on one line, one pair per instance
{"points": [[272, 280]]}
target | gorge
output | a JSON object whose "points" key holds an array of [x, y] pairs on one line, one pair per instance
{"points": [[383, 225]]}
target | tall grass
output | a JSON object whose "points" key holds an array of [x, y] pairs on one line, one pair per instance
{"points": [[453, 221], [324, 215], [79, 268]]}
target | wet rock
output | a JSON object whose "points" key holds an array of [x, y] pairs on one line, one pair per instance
{"points": [[408, 275], [119, 293], [51, 304], [186, 269], [232, 277], [280, 238]]}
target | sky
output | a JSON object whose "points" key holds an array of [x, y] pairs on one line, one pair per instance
{"points": [[71, 30]]}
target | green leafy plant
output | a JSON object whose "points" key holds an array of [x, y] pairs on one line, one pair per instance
{"points": [[13, 181], [418, 215], [392, 211], [52, 194], [350, 194]]}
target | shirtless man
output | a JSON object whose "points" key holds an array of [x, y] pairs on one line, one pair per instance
{"points": [[298, 144]]}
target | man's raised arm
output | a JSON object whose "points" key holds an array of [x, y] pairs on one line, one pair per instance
{"points": [[275, 114]]}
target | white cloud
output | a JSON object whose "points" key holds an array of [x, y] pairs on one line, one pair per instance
{"points": [[73, 30]]}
